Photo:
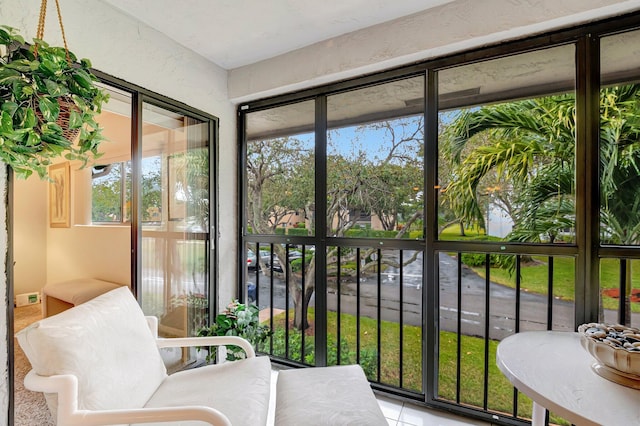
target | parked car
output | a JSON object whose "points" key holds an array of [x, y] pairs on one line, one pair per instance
{"points": [[265, 256]]}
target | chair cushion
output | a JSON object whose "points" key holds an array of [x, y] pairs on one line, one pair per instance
{"points": [[338, 395], [239, 389], [106, 343]]}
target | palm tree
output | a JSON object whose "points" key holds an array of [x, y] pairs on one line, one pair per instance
{"points": [[530, 145]]}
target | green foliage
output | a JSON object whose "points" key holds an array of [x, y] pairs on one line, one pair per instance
{"points": [[298, 231], [237, 320], [32, 88], [526, 149], [368, 356], [370, 233], [478, 259], [416, 235], [296, 264]]}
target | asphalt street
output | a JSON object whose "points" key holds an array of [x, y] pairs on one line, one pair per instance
{"points": [[471, 313]]}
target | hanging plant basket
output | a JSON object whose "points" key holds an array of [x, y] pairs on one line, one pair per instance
{"points": [[48, 105], [67, 106]]}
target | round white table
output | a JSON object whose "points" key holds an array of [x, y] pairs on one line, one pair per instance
{"points": [[554, 370]]}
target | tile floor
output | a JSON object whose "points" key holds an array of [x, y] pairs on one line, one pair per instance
{"points": [[397, 413]]}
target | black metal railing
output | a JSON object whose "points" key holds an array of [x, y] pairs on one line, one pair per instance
{"points": [[375, 316]]}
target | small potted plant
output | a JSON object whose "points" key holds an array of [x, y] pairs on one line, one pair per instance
{"points": [[47, 101], [237, 320]]}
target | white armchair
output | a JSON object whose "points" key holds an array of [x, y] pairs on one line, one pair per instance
{"points": [[99, 364]]}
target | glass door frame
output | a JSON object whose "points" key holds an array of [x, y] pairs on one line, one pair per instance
{"points": [[140, 96]]}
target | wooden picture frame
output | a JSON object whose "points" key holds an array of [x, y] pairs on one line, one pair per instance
{"points": [[60, 195]]}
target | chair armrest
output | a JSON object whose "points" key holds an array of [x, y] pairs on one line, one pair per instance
{"points": [[66, 386], [207, 341], [147, 415]]}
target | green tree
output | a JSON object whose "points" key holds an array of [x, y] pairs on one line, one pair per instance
{"points": [[531, 146], [280, 179], [528, 146]]}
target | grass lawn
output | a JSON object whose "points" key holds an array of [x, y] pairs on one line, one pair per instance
{"points": [[534, 276], [500, 391]]}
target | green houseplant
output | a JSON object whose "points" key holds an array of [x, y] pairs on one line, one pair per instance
{"points": [[241, 320], [47, 100]]}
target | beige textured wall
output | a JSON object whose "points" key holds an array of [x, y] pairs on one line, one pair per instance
{"points": [[453, 27]]}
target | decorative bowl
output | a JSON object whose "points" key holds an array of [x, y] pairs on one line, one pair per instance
{"points": [[616, 349]]}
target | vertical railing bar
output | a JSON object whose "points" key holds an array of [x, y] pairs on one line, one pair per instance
{"points": [[517, 326], [338, 307], [271, 287], [286, 312], [304, 315], [358, 305], [401, 319], [487, 299], [257, 270], [622, 295], [550, 295], [379, 313], [459, 328]]}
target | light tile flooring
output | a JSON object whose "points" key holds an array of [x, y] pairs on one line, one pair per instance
{"points": [[397, 413]]}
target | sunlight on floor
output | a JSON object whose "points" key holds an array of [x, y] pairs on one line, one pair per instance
{"points": [[397, 413]]}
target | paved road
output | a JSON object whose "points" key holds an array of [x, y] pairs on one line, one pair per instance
{"points": [[473, 309]]}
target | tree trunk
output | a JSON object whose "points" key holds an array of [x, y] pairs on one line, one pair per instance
{"points": [[461, 223], [302, 297]]}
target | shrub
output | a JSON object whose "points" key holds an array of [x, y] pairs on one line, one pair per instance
{"points": [[298, 231], [368, 357], [237, 320]]}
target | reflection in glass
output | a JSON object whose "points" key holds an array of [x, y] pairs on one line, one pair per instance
{"points": [[174, 192]]}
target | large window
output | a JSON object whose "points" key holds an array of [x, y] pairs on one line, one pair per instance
{"points": [[456, 202]]}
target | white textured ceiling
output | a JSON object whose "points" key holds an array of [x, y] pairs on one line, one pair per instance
{"points": [[233, 33]]}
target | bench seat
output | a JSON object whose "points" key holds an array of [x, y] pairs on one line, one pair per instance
{"points": [[338, 395], [60, 296]]}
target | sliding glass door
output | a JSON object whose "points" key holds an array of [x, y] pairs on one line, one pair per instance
{"points": [[174, 219]]}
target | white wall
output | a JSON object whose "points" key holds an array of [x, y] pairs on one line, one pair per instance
{"points": [[29, 235]]}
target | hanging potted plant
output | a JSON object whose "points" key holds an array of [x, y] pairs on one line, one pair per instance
{"points": [[48, 105]]}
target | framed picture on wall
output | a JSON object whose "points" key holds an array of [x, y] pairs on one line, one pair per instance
{"points": [[59, 195]]}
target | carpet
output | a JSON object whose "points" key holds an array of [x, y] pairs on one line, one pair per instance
{"points": [[30, 408]]}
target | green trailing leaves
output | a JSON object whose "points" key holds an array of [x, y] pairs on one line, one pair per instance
{"points": [[43, 99], [49, 108]]}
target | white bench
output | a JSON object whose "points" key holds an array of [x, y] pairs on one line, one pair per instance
{"points": [[60, 296], [338, 395]]}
